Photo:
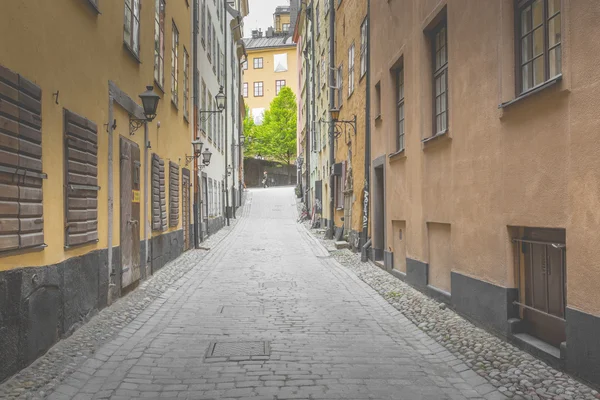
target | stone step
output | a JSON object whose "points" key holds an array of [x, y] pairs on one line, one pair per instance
{"points": [[342, 245]]}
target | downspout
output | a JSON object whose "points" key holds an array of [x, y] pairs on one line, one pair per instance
{"points": [[110, 196], [196, 209], [365, 232], [225, 187], [146, 185], [312, 69], [332, 71]]}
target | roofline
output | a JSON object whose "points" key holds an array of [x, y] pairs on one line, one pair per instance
{"points": [[250, 49]]}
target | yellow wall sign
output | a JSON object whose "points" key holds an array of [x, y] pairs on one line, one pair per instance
{"points": [[136, 196]]}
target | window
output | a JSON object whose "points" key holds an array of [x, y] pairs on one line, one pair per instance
{"points": [[340, 82], [214, 46], [377, 100], [258, 89], [351, 70], [286, 27], [363, 48], [218, 63], [186, 83], [245, 89], [173, 194], [278, 85], [318, 18], [245, 65], [258, 62], [209, 37], [175, 65], [203, 16], [203, 99], [440, 78], [326, 7], [538, 42], [159, 43], [131, 27], [400, 109]]}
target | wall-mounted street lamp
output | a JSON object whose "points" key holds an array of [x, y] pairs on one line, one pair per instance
{"points": [[335, 119], [206, 155], [220, 98], [150, 104]]}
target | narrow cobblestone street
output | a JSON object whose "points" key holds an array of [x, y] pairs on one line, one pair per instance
{"points": [[268, 313]]}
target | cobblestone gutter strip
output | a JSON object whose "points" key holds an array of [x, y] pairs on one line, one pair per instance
{"points": [[63, 359], [514, 372]]}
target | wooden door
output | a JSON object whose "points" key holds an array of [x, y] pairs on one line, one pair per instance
{"points": [[185, 207], [545, 286], [130, 212]]}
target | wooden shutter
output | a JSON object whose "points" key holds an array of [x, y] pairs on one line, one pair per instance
{"points": [[163, 196], [156, 220], [173, 194], [21, 211], [81, 180]]}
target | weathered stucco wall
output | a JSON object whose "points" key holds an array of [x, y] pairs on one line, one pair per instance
{"points": [[76, 51], [533, 163]]}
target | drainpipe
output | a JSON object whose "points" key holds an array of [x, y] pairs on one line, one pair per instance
{"points": [[365, 232], [146, 185], [332, 71], [307, 129], [312, 69], [110, 194], [196, 209], [226, 188]]}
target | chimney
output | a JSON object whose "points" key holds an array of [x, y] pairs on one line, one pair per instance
{"points": [[270, 32], [260, 33], [254, 34]]}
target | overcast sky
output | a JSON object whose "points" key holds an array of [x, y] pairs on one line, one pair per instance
{"points": [[261, 14]]}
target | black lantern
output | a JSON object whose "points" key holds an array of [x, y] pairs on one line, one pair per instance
{"points": [[206, 157], [220, 97], [150, 103], [242, 139]]}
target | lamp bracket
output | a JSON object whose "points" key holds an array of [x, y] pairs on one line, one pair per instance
{"points": [[135, 124]]}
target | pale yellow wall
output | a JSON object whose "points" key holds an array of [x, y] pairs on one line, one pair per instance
{"points": [[280, 20], [74, 50], [534, 163], [348, 19], [268, 76]]}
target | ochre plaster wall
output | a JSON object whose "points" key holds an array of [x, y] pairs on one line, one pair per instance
{"points": [[66, 46]]}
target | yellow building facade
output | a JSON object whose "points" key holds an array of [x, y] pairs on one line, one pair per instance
{"points": [[83, 181], [271, 64]]}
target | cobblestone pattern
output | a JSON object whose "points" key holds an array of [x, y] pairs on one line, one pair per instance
{"points": [[65, 357], [331, 336], [514, 372]]}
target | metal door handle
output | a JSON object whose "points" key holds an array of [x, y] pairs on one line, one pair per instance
{"points": [[132, 222]]}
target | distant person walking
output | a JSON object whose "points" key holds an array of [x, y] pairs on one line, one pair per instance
{"points": [[265, 180]]}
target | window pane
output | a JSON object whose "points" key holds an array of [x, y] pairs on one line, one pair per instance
{"points": [[538, 42], [555, 61], [443, 101], [438, 124], [526, 77], [444, 117], [553, 7], [538, 71], [438, 105], [127, 26], [538, 12], [526, 48], [525, 20], [554, 31]]}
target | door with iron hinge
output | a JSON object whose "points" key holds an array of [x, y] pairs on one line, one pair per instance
{"points": [[545, 295], [185, 206], [130, 212]]}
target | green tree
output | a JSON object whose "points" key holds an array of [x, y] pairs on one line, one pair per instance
{"points": [[275, 138]]}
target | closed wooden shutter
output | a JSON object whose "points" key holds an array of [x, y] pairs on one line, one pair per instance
{"points": [[159, 201], [173, 194], [21, 211], [81, 180]]}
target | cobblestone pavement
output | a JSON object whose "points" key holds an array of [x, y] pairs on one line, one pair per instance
{"points": [[41, 377], [267, 313], [514, 372]]}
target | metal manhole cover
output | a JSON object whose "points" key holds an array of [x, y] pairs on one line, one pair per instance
{"points": [[280, 284], [240, 310], [232, 349]]}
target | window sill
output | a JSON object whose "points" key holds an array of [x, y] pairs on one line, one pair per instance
{"points": [[158, 85], [398, 155], [93, 4], [378, 118], [350, 95], [552, 82], [136, 57], [186, 118], [174, 104], [438, 137], [24, 250]]}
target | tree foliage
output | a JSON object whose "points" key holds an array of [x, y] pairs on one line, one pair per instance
{"points": [[275, 138]]}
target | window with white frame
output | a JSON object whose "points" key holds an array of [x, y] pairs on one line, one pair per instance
{"points": [[159, 43], [186, 83], [175, 65], [351, 70], [363, 48], [279, 84], [258, 62], [245, 89], [258, 89], [131, 27]]}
